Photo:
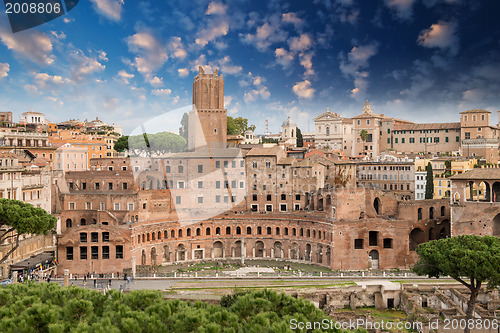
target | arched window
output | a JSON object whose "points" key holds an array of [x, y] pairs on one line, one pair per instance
{"points": [[431, 213], [443, 210], [249, 230], [153, 236], [238, 230], [277, 230], [172, 234], [207, 231], [198, 232], [147, 237], [217, 231], [138, 238], [180, 232], [268, 230], [188, 232], [286, 231], [259, 230], [159, 234], [228, 230], [69, 223], [419, 214], [83, 222], [165, 234]]}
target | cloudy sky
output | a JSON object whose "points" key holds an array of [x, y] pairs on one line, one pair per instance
{"points": [[128, 61]]}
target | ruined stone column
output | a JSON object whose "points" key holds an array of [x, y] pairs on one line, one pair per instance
{"points": [[133, 267], [243, 251], [66, 277]]}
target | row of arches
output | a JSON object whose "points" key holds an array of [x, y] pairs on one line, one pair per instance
{"points": [[232, 231], [69, 222], [318, 253], [432, 213], [481, 191], [438, 231]]}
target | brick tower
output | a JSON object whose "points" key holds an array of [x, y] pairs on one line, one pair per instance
{"points": [[208, 119]]}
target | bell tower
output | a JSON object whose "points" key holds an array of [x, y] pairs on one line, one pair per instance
{"points": [[208, 119]]}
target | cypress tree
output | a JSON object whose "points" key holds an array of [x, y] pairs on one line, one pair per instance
{"points": [[429, 182]]}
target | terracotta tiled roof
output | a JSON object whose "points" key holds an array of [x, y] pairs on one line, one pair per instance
{"points": [[418, 127], [479, 173], [476, 111], [265, 151]]}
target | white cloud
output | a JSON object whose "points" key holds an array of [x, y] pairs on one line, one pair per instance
{"points": [[252, 95], [214, 30], [155, 81], [125, 77], [183, 72], [111, 9], [227, 66], [440, 35], [44, 80], [301, 43], [403, 8], [353, 66], [268, 33], [161, 92], [303, 89], [216, 8], [259, 88], [103, 56], [33, 45], [306, 62], [151, 52], [283, 57], [293, 19], [227, 101], [4, 70], [176, 48], [84, 65]]}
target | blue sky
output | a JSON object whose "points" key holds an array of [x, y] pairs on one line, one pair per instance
{"points": [[128, 61]]}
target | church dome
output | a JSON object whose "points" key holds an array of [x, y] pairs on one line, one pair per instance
{"points": [[288, 122]]}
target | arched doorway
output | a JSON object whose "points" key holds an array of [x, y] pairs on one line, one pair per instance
{"points": [[374, 259], [277, 249], [496, 192], [377, 206], [259, 249], [237, 249], [328, 256], [153, 256], [218, 249], [431, 233], [496, 225], [307, 255], [417, 236], [320, 203], [166, 253], [319, 254], [294, 251], [181, 252]]}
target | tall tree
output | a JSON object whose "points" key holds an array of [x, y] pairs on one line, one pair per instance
{"points": [[184, 129], [364, 136], [19, 218], [471, 260], [121, 144], [300, 139], [238, 126], [429, 182], [158, 143]]}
